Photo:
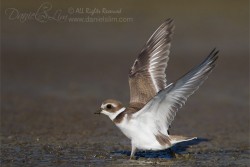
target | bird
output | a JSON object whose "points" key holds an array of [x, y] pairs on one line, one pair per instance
{"points": [[154, 103]]}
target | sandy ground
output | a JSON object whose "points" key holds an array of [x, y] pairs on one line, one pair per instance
{"points": [[55, 76]]}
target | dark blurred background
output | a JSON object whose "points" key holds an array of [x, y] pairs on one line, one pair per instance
{"points": [[57, 69]]}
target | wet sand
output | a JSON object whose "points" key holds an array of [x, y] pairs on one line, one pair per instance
{"points": [[55, 76]]}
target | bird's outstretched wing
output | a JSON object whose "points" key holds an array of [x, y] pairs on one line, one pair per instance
{"points": [[147, 75], [163, 107]]}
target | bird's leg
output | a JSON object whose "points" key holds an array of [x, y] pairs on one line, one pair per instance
{"points": [[133, 150], [172, 153]]}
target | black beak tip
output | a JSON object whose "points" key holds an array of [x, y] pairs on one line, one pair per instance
{"points": [[98, 111]]}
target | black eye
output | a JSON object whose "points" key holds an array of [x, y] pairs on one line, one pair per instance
{"points": [[109, 106]]}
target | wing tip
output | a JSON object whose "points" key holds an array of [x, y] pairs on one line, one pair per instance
{"points": [[212, 57], [168, 25], [169, 20], [214, 53]]}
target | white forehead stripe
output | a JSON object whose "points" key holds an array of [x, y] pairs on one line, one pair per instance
{"points": [[102, 106]]}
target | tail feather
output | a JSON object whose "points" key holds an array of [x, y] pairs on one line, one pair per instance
{"points": [[174, 139]]}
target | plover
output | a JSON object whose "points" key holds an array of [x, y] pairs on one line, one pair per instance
{"points": [[153, 102]]}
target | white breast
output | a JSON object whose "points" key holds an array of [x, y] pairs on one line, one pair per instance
{"points": [[141, 132]]}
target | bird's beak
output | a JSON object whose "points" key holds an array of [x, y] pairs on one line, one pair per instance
{"points": [[98, 111]]}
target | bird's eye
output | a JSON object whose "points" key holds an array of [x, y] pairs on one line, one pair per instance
{"points": [[109, 106]]}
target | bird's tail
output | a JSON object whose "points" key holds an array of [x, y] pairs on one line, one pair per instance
{"points": [[174, 139]]}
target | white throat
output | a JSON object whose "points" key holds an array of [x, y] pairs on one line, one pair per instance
{"points": [[112, 116]]}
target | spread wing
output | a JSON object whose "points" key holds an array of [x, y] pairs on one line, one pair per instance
{"points": [[147, 75], [163, 107]]}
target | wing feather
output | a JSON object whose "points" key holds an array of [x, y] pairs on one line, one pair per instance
{"points": [[165, 104], [147, 75]]}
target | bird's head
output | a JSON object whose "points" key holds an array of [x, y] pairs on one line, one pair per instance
{"points": [[111, 108]]}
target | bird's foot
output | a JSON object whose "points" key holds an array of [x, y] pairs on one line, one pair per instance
{"points": [[132, 158], [174, 154]]}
